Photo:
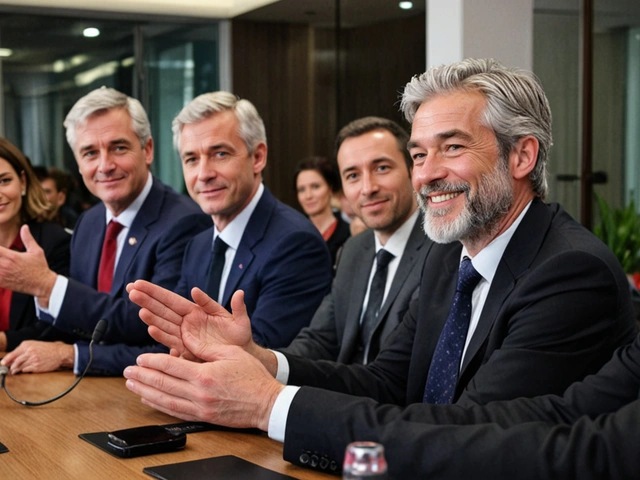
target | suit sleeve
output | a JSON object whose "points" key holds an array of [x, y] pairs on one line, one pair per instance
{"points": [[111, 360], [564, 320], [84, 306], [294, 281], [590, 432], [384, 379], [56, 250], [318, 341]]}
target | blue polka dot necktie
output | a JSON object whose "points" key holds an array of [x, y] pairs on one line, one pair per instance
{"points": [[445, 365]]}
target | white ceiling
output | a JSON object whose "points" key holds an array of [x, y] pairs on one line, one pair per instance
{"points": [[185, 8]]}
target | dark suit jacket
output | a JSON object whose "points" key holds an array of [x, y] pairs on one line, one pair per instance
{"points": [[336, 241], [558, 306], [334, 330], [591, 432], [154, 249], [23, 322], [282, 265]]}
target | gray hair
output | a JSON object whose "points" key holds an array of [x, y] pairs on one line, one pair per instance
{"points": [[251, 127], [101, 100], [516, 105]]}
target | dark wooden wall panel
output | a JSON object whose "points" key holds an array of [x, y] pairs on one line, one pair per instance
{"points": [[379, 61], [271, 69], [289, 72]]}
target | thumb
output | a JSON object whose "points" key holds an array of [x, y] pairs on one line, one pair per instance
{"points": [[27, 239], [238, 307], [207, 352]]}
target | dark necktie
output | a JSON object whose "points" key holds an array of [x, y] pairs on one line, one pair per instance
{"points": [[108, 256], [445, 365], [215, 270], [376, 294]]}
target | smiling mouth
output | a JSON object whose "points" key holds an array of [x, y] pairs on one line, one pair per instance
{"points": [[444, 197]]}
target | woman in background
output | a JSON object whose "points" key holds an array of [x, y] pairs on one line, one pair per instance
{"points": [[317, 180], [22, 201]]}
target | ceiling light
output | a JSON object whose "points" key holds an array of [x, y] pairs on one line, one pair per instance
{"points": [[406, 5], [6, 52], [91, 32]]}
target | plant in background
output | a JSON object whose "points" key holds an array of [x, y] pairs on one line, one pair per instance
{"points": [[620, 230]]}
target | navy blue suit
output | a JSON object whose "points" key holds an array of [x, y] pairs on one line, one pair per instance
{"points": [[153, 251], [282, 265]]}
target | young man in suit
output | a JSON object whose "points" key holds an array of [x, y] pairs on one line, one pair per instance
{"points": [[110, 136], [528, 303], [376, 180], [271, 252]]}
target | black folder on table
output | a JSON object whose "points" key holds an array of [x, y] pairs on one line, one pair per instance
{"points": [[227, 467]]}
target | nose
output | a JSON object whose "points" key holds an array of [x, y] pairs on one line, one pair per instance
{"points": [[207, 170], [106, 162], [369, 184], [427, 171]]}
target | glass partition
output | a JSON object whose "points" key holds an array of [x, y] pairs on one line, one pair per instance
{"points": [[52, 64]]}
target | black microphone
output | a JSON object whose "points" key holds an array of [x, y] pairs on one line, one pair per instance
{"points": [[98, 332]]}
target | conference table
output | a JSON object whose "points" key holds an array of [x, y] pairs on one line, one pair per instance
{"points": [[43, 441]]}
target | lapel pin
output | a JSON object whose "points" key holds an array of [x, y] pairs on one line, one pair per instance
{"points": [[132, 241], [240, 266]]}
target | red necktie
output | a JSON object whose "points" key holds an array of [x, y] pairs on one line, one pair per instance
{"points": [[108, 257]]}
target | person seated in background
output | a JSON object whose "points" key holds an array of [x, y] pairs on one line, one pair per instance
{"points": [[528, 302], [379, 271], [138, 230], [356, 225], [256, 244], [317, 180], [57, 186], [25, 218]]}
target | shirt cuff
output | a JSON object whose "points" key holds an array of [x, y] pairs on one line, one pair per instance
{"points": [[282, 374], [55, 299], [280, 412], [76, 354]]}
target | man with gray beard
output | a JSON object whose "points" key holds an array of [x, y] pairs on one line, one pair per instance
{"points": [[528, 302]]}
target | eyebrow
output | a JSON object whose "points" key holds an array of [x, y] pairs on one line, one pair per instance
{"points": [[443, 136], [212, 148], [117, 141], [374, 162]]}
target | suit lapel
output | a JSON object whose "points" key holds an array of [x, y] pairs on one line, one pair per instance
{"points": [[91, 248], [360, 282], [253, 233], [147, 214], [518, 256]]}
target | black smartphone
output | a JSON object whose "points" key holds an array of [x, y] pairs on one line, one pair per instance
{"points": [[149, 440]]}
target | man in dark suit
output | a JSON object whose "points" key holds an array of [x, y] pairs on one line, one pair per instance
{"points": [[273, 254], [529, 303], [110, 136], [590, 432], [376, 169]]}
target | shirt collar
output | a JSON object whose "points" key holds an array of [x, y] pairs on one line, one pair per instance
{"points": [[232, 233], [127, 217], [487, 260], [398, 240]]}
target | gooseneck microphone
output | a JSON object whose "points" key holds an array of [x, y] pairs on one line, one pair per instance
{"points": [[98, 332]]}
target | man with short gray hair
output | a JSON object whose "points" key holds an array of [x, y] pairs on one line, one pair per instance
{"points": [[139, 230], [257, 244]]}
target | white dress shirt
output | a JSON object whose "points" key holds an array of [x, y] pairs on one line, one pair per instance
{"points": [[232, 235]]}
